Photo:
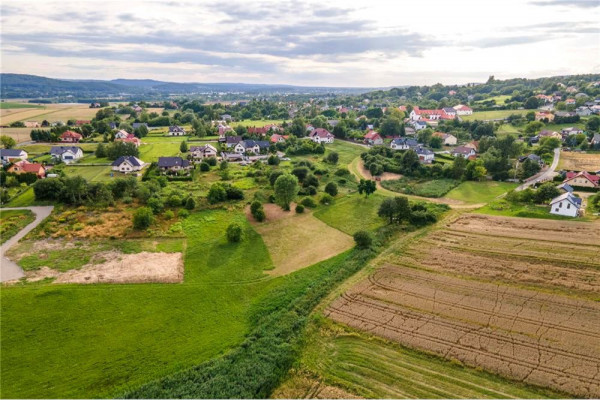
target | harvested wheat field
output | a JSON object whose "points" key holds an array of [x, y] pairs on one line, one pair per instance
{"points": [[142, 267], [296, 240], [570, 160], [471, 291]]}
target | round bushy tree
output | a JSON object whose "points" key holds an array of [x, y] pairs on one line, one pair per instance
{"points": [[331, 188], [142, 218], [234, 232], [363, 239]]}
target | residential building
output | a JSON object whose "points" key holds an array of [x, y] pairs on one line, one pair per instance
{"points": [[277, 138], [173, 164], [201, 152], [24, 167], [254, 146], [232, 141], [127, 164], [12, 155], [71, 137], [176, 130], [122, 134], [566, 204], [130, 138], [571, 131], [136, 125], [447, 139], [532, 157], [403, 144], [321, 135], [583, 178], [373, 138], [552, 134], [461, 109], [565, 187], [66, 154], [232, 157], [544, 115], [426, 156], [464, 152]]}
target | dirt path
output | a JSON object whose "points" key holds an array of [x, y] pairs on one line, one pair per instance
{"points": [[9, 270]]}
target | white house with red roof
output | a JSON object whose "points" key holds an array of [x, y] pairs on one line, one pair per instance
{"points": [[130, 138], [277, 138], [373, 138], [71, 137], [321, 135], [24, 167], [461, 109], [582, 178], [430, 115], [122, 134]]}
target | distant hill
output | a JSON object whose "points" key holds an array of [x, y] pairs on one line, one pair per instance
{"points": [[31, 86]]}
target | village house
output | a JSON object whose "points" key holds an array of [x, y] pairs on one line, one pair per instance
{"points": [[24, 167], [232, 157], [175, 130], [461, 109], [464, 152], [474, 144], [583, 178], [426, 156], [544, 116], [232, 141], [430, 115], [223, 129], [566, 204], [552, 134], [571, 131], [447, 139], [277, 138], [199, 153], [321, 135], [127, 164], [403, 144], [595, 139], [408, 131], [66, 154], [31, 124], [533, 157], [254, 146], [173, 164], [226, 117], [71, 137], [12, 155], [122, 134], [565, 187], [584, 111], [130, 138], [136, 125], [570, 102], [450, 111], [419, 125], [373, 138]]}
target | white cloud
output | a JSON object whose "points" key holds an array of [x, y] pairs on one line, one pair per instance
{"points": [[338, 43]]}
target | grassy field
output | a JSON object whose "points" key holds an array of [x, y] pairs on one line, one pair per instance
{"points": [[479, 192], [353, 213], [258, 123], [19, 134], [91, 173], [151, 152], [489, 115], [508, 129], [504, 208], [428, 188], [12, 221], [570, 160], [347, 151], [114, 342], [8, 104], [371, 367]]}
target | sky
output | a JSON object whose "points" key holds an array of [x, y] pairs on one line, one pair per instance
{"points": [[372, 43]]}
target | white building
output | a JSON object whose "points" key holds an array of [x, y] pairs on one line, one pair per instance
{"points": [[67, 154], [127, 164], [566, 204]]}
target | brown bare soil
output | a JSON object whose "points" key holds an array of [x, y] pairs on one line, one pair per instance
{"points": [[296, 240], [537, 338], [570, 160], [142, 267], [386, 176], [483, 316]]}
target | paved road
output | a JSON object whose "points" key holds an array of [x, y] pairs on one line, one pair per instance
{"points": [[546, 175], [9, 270]]}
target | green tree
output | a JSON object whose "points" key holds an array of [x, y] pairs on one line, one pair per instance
{"points": [[198, 128], [546, 192], [298, 127], [142, 218], [410, 161], [531, 103], [593, 124], [100, 151], [436, 142], [333, 157], [363, 239], [533, 127], [387, 209], [331, 188], [234, 232], [391, 126], [459, 166], [8, 142], [367, 187], [183, 147], [286, 188], [141, 131], [190, 203], [216, 193]]}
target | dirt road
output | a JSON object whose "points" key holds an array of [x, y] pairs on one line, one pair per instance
{"points": [[544, 176]]}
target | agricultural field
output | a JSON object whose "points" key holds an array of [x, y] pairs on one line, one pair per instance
{"points": [[50, 112], [92, 173], [19, 134], [492, 115], [575, 161], [10, 105], [12, 221], [257, 123], [526, 314]]}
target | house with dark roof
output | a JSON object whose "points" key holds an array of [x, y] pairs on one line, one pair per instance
{"points": [[254, 146], [232, 141], [136, 125], [403, 144], [426, 156], [567, 204], [175, 130], [565, 187], [66, 154], [127, 164], [12, 155], [464, 152], [232, 157], [173, 164], [532, 157]]}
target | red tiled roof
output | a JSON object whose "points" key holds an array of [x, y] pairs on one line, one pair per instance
{"points": [[321, 132], [71, 134], [585, 174], [372, 135]]}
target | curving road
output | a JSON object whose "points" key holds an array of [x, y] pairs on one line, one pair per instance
{"points": [[9, 270], [546, 175]]}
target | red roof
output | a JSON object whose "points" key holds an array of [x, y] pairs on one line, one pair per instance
{"points": [[321, 132], [372, 135], [26, 166], [71, 134], [593, 178], [275, 137]]}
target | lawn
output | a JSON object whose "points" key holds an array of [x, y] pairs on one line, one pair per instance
{"points": [[479, 192], [490, 115], [508, 129], [258, 123], [121, 336], [151, 152], [352, 213], [347, 151], [12, 221], [25, 199], [426, 188], [92, 173], [504, 208], [371, 367], [8, 104]]}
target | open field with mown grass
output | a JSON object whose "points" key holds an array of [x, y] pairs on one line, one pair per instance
{"points": [[352, 213], [339, 362], [501, 207], [258, 123], [425, 188], [12, 221], [19, 134], [496, 293], [574, 161], [490, 115], [90, 173], [479, 192], [151, 152]]}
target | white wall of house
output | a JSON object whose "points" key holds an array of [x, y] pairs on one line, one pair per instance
{"points": [[564, 207]]}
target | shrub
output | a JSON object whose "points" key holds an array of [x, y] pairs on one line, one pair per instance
{"points": [[299, 208], [234, 193], [174, 201], [273, 176], [331, 189], [333, 157], [216, 193], [142, 218], [260, 215], [256, 205], [363, 239], [190, 203], [273, 160], [212, 161], [311, 180], [326, 199], [342, 172], [234, 232], [308, 202], [127, 200], [342, 181], [204, 166], [183, 213], [156, 205], [169, 214]]}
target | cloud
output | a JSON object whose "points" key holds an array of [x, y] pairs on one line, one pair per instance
{"points": [[568, 3]]}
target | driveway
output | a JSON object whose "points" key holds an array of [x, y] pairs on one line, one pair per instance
{"points": [[544, 176], [9, 270]]}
